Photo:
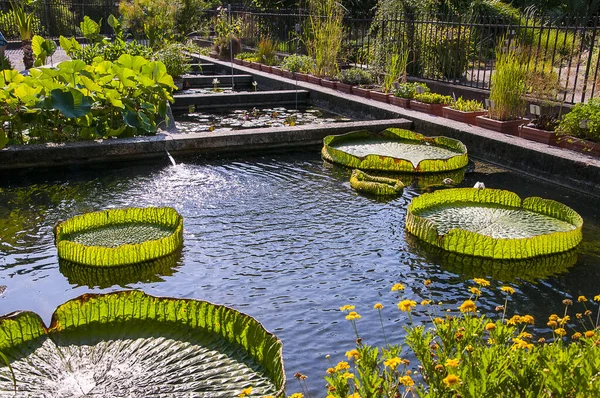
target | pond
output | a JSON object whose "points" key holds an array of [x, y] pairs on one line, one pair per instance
{"points": [[282, 237]]}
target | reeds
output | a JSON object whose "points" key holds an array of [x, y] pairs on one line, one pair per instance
{"points": [[508, 86]]}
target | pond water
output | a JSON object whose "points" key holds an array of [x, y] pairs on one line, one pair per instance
{"points": [[281, 237]]}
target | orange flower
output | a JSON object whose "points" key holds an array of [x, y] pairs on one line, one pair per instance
{"points": [[490, 326]]}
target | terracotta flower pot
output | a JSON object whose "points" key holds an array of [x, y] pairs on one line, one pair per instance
{"points": [[288, 74], [265, 68], [303, 77], [379, 96], [329, 83], [246, 63], [361, 92], [539, 135], [506, 127], [432, 109], [255, 65], [579, 145], [313, 79], [237, 61], [460, 116], [343, 87], [401, 102], [276, 71]]}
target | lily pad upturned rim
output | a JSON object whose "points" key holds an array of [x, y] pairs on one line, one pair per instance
{"points": [[129, 306], [375, 185], [126, 254], [475, 244], [386, 163]]}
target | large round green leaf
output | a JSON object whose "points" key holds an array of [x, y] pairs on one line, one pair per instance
{"points": [[395, 150], [375, 185], [493, 223], [129, 344], [118, 237]]}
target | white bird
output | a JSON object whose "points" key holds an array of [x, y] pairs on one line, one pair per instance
{"points": [[479, 185], [448, 181]]}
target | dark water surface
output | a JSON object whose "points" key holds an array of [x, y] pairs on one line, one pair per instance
{"points": [[281, 237]]}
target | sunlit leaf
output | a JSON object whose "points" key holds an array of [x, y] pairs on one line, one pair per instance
{"points": [[71, 103]]}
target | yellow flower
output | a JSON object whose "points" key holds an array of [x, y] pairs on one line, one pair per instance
{"points": [[481, 282], [348, 376], [491, 341], [514, 320], [330, 371], [438, 321], [579, 315], [597, 298], [245, 391], [469, 348], [527, 319], [587, 312], [297, 395], [439, 367], [490, 326], [425, 302], [392, 363], [522, 344], [406, 305], [452, 363], [507, 289], [353, 316], [347, 307], [406, 381], [451, 380], [525, 335], [552, 324], [576, 336], [475, 291], [468, 306], [582, 299], [564, 320], [267, 396], [352, 354], [553, 317], [355, 395], [427, 282], [342, 365], [560, 331], [378, 306], [398, 287], [589, 333]]}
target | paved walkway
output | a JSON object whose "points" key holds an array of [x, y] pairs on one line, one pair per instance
{"points": [[16, 58]]}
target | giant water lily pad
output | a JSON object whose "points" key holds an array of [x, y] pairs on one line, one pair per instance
{"points": [[395, 150], [118, 237], [129, 344], [375, 185], [493, 223]]}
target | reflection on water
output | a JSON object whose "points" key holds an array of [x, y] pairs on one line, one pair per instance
{"points": [[283, 238]]}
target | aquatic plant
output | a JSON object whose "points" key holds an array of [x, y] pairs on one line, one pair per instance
{"points": [[135, 344], [117, 237], [395, 150], [396, 70], [508, 86], [376, 185], [323, 38], [493, 223]]}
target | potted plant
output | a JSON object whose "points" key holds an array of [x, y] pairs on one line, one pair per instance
{"points": [[294, 65], [507, 94], [431, 103], [465, 111], [24, 21], [394, 74], [351, 79], [579, 129], [174, 56], [243, 58], [406, 92], [541, 129]]}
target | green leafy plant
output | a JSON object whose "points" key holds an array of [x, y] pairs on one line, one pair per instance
{"points": [[156, 18], [444, 51], [42, 49], [323, 38], [493, 223], [434, 98], [396, 71], [25, 22], [508, 86], [246, 55], [10, 30], [464, 105], [545, 122], [298, 63], [583, 121], [174, 57], [356, 77], [265, 53], [408, 90]]}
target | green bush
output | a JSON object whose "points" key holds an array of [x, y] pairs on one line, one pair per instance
{"points": [[583, 121], [444, 51], [298, 63], [266, 52], [408, 90], [434, 98], [174, 57], [356, 77]]}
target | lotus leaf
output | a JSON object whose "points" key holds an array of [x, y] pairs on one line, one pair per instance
{"points": [[493, 223], [118, 237], [129, 344], [395, 150], [375, 185]]}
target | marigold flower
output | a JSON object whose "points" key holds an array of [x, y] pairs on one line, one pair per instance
{"points": [[507, 290], [481, 282], [527, 319], [560, 331], [576, 336], [522, 344], [451, 380], [475, 291], [406, 381], [347, 307], [406, 305], [378, 306], [397, 287], [427, 282], [348, 376], [589, 333], [342, 365], [352, 354], [597, 298], [330, 371], [452, 363], [392, 363], [468, 306], [245, 391], [353, 316], [582, 299], [425, 302], [490, 326], [516, 319]]}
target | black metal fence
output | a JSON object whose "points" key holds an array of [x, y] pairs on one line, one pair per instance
{"points": [[53, 18], [561, 56]]}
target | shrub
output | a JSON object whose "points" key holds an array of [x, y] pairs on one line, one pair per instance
{"points": [[583, 121], [245, 55], [464, 105], [266, 53], [174, 57], [408, 90], [444, 51], [508, 86], [434, 98], [298, 63], [356, 77], [156, 18]]}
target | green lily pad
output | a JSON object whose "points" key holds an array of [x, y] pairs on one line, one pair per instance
{"points": [[395, 150], [493, 223], [130, 344], [375, 185], [119, 237]]}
